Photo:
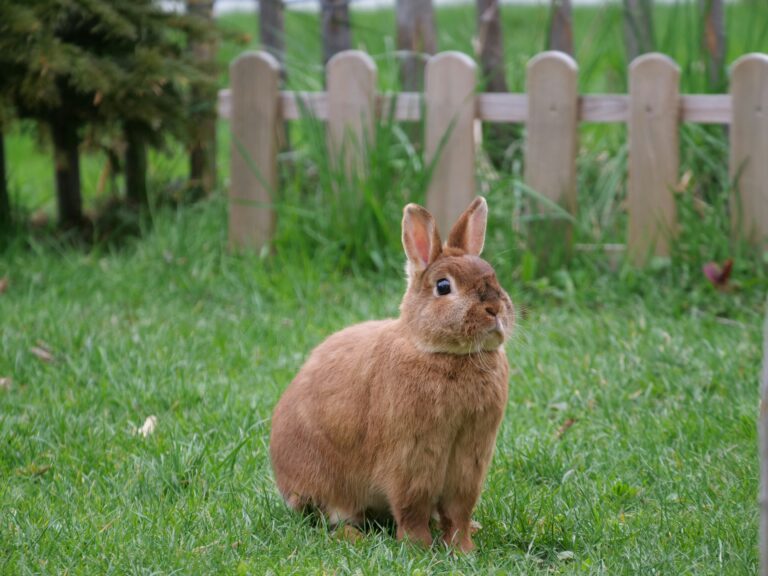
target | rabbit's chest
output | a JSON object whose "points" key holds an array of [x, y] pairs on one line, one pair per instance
{"points": [[461, 393], [437, 393]]}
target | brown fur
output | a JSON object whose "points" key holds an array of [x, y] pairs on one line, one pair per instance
{"points": [[400, 416]]}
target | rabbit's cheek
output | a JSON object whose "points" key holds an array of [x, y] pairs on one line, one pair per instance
{"points": [[453, 313]]}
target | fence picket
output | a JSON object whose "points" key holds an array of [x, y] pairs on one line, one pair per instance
{"points": [[749, 148], [255, 78], [654, 117], [450, 109], [351, 79], [551, 145]]}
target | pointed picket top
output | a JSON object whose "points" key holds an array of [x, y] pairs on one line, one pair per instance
{"points": [[654, 157], [351, 81], [450, 82], [255, 78], [749, 148]]}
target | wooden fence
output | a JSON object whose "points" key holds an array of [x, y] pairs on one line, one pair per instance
{"points": [[551, 110]]}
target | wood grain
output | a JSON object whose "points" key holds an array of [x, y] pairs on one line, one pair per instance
{"points": [[654, 117], [551, 146], [255, 121], [749, 148], [504, 107], [450, 109], [351, 80]]}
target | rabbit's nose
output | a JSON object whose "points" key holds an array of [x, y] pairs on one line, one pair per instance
{"points": [[492, 310], [488, 292]]}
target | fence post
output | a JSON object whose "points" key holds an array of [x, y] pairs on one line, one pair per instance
{"points": [[654, 154], [450, 144], [351, 80], [336, 29], [561, 27], [749, 148], [255, 78], [551, 146], [415, 37]]}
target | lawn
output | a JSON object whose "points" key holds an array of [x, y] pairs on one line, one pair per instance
{"points": [[629, 444]]}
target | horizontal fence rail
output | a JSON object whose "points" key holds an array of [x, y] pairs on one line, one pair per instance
{"points": [[499, 108], [551, 110]]}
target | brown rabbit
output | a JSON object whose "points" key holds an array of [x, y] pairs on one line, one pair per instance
{"points": [[400, 416]]}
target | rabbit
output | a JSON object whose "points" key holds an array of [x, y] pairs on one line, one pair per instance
{"points": [[399, 417]]}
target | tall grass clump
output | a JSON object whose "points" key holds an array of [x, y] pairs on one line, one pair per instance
{"points": [[351, 216]]}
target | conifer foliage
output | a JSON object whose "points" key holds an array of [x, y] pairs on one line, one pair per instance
{"points": [[116, 71]]}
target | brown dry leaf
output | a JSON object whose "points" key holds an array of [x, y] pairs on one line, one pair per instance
{"points": [[5, 383], [43, 352], [684, 182], [40, 219], [700, 206], [205, 547], [564, 428], [348, 533], [3, 284], [33, 470]]}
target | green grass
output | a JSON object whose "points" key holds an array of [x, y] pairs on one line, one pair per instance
{"points": [[655, 370], [658, 472]]}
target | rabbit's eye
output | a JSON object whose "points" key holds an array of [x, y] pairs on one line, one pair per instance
{"points": [[443, 286]]}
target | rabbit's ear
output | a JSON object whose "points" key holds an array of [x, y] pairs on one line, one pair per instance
{"points": [[468, 233], [421, 240]]}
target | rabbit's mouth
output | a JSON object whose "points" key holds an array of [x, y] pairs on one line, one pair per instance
{"points": [[494, 336]]}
